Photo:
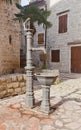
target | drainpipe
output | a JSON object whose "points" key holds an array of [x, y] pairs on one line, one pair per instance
{"points": [[45, 27], [45, 34]]}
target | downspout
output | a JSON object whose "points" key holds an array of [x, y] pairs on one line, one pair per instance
{"points": [[45, 35], [45, 27]]}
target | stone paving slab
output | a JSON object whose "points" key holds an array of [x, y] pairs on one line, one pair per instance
{"points": [[65, 101]]}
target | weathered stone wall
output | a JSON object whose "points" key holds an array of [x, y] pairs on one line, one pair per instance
{"points": [[9, 52], [12, 84]]}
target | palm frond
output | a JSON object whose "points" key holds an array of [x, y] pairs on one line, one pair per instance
{"points": [[19, 6], [34, 13]]}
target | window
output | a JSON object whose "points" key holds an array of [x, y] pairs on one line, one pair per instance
{"points": [[55, 56], [63, 23], [10, 39], [41, 38]]}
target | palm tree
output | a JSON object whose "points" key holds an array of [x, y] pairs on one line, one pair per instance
{"points": [[32, 12], [35, 14]]}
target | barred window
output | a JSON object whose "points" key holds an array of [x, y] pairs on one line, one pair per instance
{"points": [[55, 56]]}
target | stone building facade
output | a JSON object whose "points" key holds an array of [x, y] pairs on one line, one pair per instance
{"points": [[9, 38], [64, 38]]}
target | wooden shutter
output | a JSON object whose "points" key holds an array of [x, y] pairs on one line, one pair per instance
{"points": [[55, 55], [41, 38], [63, 23]]}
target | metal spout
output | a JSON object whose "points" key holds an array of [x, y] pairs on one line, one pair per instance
{"points": [[39, 49]]}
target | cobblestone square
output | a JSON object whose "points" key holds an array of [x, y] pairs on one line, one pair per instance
{"points": [[65, 101]]}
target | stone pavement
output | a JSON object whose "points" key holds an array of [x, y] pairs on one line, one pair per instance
{"points": [[65, 101]]}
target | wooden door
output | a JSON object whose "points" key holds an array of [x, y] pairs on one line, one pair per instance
{"points": [[76, 59]]}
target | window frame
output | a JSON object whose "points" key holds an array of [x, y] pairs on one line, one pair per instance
{"points": [[55, 57], [40, 36], [63, 23]]}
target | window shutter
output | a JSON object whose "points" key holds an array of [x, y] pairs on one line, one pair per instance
{"points": [[60, 24], [55, 55], [63, 23], [41, 38]]}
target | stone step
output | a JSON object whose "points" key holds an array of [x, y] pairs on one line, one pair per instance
{"points": [[67, 76]]}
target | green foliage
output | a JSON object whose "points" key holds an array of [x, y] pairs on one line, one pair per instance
{"points": [[44, 66], [19, 6], [57, 82], [34, 13]]}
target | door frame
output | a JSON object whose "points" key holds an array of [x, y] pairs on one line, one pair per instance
{"points": [[73, 45]]}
